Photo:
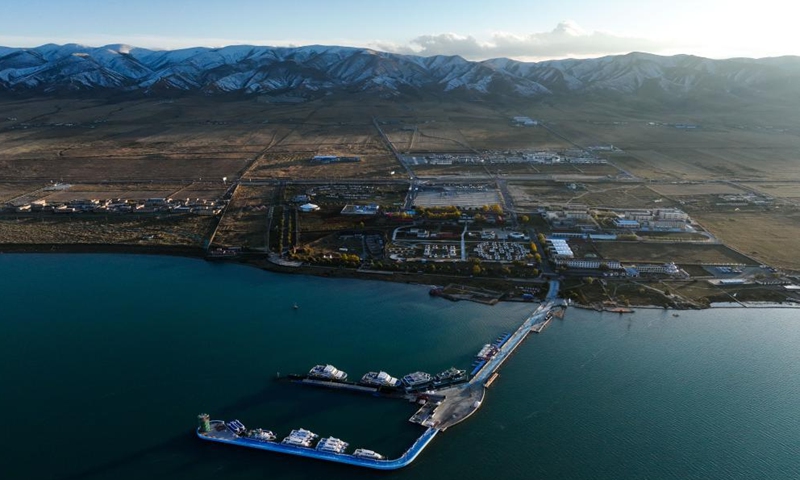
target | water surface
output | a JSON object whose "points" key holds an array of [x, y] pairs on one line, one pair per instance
{"points": [[105, 361]]}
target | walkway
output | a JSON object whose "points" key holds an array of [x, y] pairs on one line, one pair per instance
{"points": [[403, 460], [463, 400]]}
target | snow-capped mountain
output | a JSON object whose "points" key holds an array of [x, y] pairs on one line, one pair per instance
{"points": [[318, 69]]}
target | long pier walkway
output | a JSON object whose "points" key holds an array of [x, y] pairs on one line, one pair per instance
{"points": [[463, 400]]}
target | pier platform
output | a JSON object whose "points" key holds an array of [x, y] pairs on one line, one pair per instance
{"points": [[226, 436]]}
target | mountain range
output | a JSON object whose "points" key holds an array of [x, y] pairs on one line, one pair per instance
{"points": [[317, 70]]}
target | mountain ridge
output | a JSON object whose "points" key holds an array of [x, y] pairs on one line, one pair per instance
{"points": [[316, 70]]}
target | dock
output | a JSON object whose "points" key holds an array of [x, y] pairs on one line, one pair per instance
{"points": [[441, 408], [462, 401], [225, 436]]}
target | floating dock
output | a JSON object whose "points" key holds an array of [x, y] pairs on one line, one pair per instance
{"points": [[226, 436]]}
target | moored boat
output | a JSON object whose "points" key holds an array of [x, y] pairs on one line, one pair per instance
{"points": [[381, 379], [236, 427], [261, 435], [364, 453], [332, 445], [417, 379], [327, 372], [300, 438]]}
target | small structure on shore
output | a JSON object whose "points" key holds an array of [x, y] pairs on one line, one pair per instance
{"points": [[308, 207]]}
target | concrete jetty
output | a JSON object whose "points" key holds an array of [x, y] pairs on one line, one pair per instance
{"points": [[461, 401]]}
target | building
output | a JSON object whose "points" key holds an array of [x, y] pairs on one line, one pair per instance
{"points": [[591, 264], [308, 207], [559, 248], [371, 209], [664, 269], [629, 224]]}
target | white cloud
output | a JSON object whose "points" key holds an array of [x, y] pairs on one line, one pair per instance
{"points": [[567, 39]]}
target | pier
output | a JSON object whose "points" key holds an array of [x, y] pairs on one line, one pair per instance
{"points": [[461, 401], [442, 408], [225, 436]]}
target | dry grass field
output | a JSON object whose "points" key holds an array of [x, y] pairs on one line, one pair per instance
{"points": [[187, 230], [688, 190], [298, 165], [528, 195], [770, 237], [245, 221], [679, 253], [780, 190], [712, 151], [9, 191], [455, 127]]}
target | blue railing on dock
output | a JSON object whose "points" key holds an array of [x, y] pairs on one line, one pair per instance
{"points": [[406, 458], [477, 368], [499, 343]]}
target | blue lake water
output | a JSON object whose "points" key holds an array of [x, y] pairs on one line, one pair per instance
{"points": [[105, 361]]}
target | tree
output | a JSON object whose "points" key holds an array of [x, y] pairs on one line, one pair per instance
{"points": [[538, 258], [525, 219], [476, 269]]}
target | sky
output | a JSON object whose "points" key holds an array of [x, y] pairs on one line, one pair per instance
{"points": [[524, 30]]}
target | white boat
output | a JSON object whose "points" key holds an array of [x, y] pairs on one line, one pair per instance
{"points": [[328, 372], [381, 379], [262, 435], [364, 453], [236, 427], [416, 379], [300, 438], [332, 445]]}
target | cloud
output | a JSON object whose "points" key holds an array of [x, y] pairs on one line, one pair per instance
{"points": [[567, 39]]}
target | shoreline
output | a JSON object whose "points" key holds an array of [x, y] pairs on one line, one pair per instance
{"points": [[263, 263], [101, 248]]}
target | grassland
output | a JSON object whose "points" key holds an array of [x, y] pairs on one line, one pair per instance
{"points": [[610, 195], [691, 190], [780, 190], [770, 237], [147, 230], [680, 253], [710, 152], [246, 220]]}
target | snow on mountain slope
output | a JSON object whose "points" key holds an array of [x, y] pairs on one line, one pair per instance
{"points": [[318, 68]]}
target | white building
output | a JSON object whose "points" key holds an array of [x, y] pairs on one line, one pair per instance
{"points": [[308, 207], [559, 248]]}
